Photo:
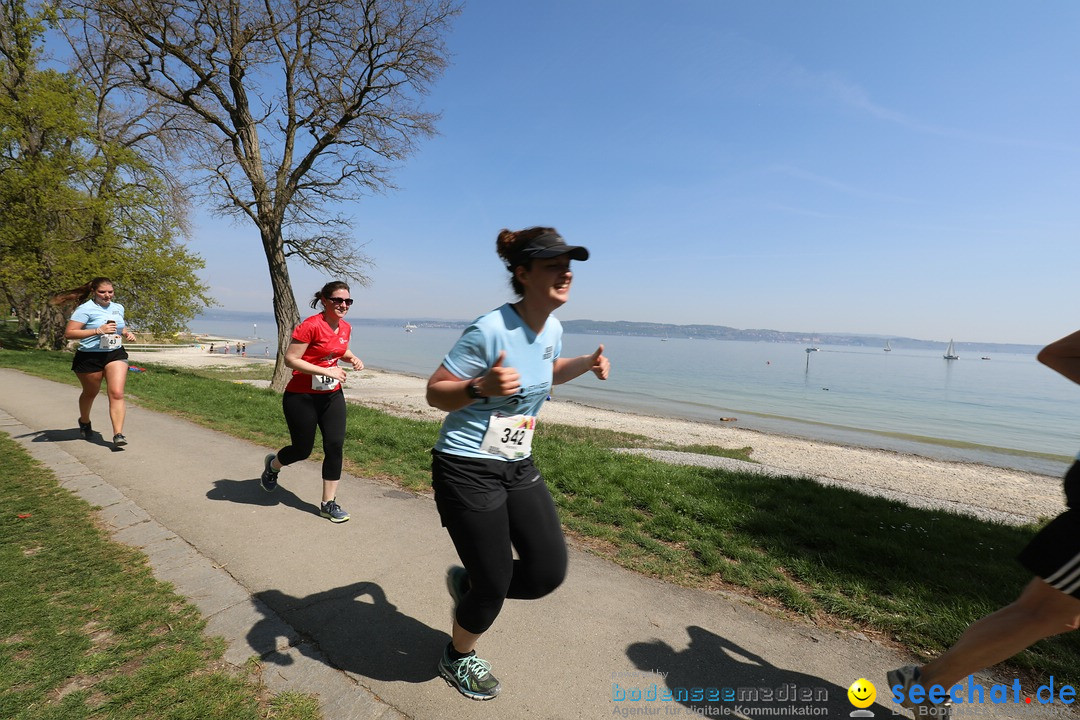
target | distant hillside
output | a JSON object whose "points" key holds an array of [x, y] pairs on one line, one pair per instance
{"points": [[722, 332]]}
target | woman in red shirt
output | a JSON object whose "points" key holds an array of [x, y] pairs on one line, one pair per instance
{"points": [[313, 398]]}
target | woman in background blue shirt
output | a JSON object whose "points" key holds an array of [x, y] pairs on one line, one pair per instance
{"points": [[98, 324]]}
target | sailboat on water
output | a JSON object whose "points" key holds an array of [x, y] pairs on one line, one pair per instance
{"points": [[950, 352], [888, 346]]}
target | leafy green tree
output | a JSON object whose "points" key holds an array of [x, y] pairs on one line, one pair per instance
{"points": [[80, 195], [42, 118]]}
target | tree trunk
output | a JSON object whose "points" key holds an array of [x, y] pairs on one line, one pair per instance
{"points": [[21, 310], [285, 312], [50, 334]]}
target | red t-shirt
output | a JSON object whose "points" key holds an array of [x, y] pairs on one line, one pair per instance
{"points": [[324, 347]]}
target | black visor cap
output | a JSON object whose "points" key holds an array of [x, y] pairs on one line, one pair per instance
{"points": [[550, 245]]}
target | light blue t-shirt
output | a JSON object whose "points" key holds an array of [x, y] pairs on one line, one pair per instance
{"points": [[532, 355], [94, 316]]}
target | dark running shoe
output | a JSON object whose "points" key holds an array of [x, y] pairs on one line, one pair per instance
{"points": [[85, 431], [457, 583], [910, 675], [470, 676], [118, 440], [333, 512], [268, 479]]}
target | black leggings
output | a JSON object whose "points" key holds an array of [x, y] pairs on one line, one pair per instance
{"points": [[303, 413], [528, 522]]}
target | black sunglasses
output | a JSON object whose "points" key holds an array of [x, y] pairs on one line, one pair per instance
{"points": [[348, 301]]}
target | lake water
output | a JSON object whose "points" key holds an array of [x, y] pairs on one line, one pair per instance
{"points": [[1008, 411]]}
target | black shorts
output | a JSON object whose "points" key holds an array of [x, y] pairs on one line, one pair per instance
{"points": [[464, 484], [1054, 553], [92, 362]]}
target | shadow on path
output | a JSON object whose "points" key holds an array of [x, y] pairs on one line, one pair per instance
{"points": [[737, 677], [72, 435], [248, 492], [357, 629]]}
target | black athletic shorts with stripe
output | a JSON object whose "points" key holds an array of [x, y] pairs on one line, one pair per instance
{"points": [[1054, 553]]}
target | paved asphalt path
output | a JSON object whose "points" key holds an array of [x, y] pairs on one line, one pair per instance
{"points": [[358, 613]]}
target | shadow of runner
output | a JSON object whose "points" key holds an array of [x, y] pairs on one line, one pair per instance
{"points": [[71, 436], [357, 629], [248, 492], [715, 677]]}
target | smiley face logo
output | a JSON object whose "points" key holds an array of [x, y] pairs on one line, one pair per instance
{"points": [[862, 693]]}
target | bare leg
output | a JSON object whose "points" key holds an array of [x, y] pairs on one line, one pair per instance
{"points": [[91, 386], [1039, 612], [464, 641], [116, 378], [329, 489]]}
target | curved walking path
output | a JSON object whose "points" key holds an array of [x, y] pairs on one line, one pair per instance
{"points": [[358, 613]]}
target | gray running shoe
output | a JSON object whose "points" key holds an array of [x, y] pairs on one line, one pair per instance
{"points": [[470, 676], [333, 512], [118, 440], [910, 675], [268, 479], [85, 431]]}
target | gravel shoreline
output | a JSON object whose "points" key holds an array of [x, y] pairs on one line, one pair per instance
{"points": [[988, 492]]}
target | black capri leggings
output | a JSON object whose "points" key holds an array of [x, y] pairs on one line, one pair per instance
{"points": [[303, 413], [486, 538]]}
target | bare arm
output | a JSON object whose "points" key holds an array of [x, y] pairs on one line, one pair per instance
{"points": [[566, 369], [448, 392], [294, 359], [351, 358], [1063, 356], [76, 330]]}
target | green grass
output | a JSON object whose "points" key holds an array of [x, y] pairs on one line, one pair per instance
{"points": [[86, 631], [13, 340], [916, 576]]}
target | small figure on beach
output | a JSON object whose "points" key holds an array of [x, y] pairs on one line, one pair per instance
{"points": [[98, 324], [1048, 605], [314, 398], [211, 347], [490, 496]]}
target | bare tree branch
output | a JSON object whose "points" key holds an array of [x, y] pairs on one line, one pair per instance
{"points": [[286, 108]]}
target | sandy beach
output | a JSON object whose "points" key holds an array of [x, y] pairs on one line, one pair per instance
{"points": [[989, 492]]}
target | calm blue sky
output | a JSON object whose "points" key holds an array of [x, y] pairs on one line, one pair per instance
{"points": [[900, 168]]}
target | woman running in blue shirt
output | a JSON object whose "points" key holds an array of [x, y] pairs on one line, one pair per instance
{"points": [[99, 326], [491, 498]]}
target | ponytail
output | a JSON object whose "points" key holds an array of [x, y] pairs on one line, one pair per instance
{"points": [[79, 294]]}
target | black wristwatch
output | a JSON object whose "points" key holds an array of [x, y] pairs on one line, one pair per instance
{"points": [[473, 389]]}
